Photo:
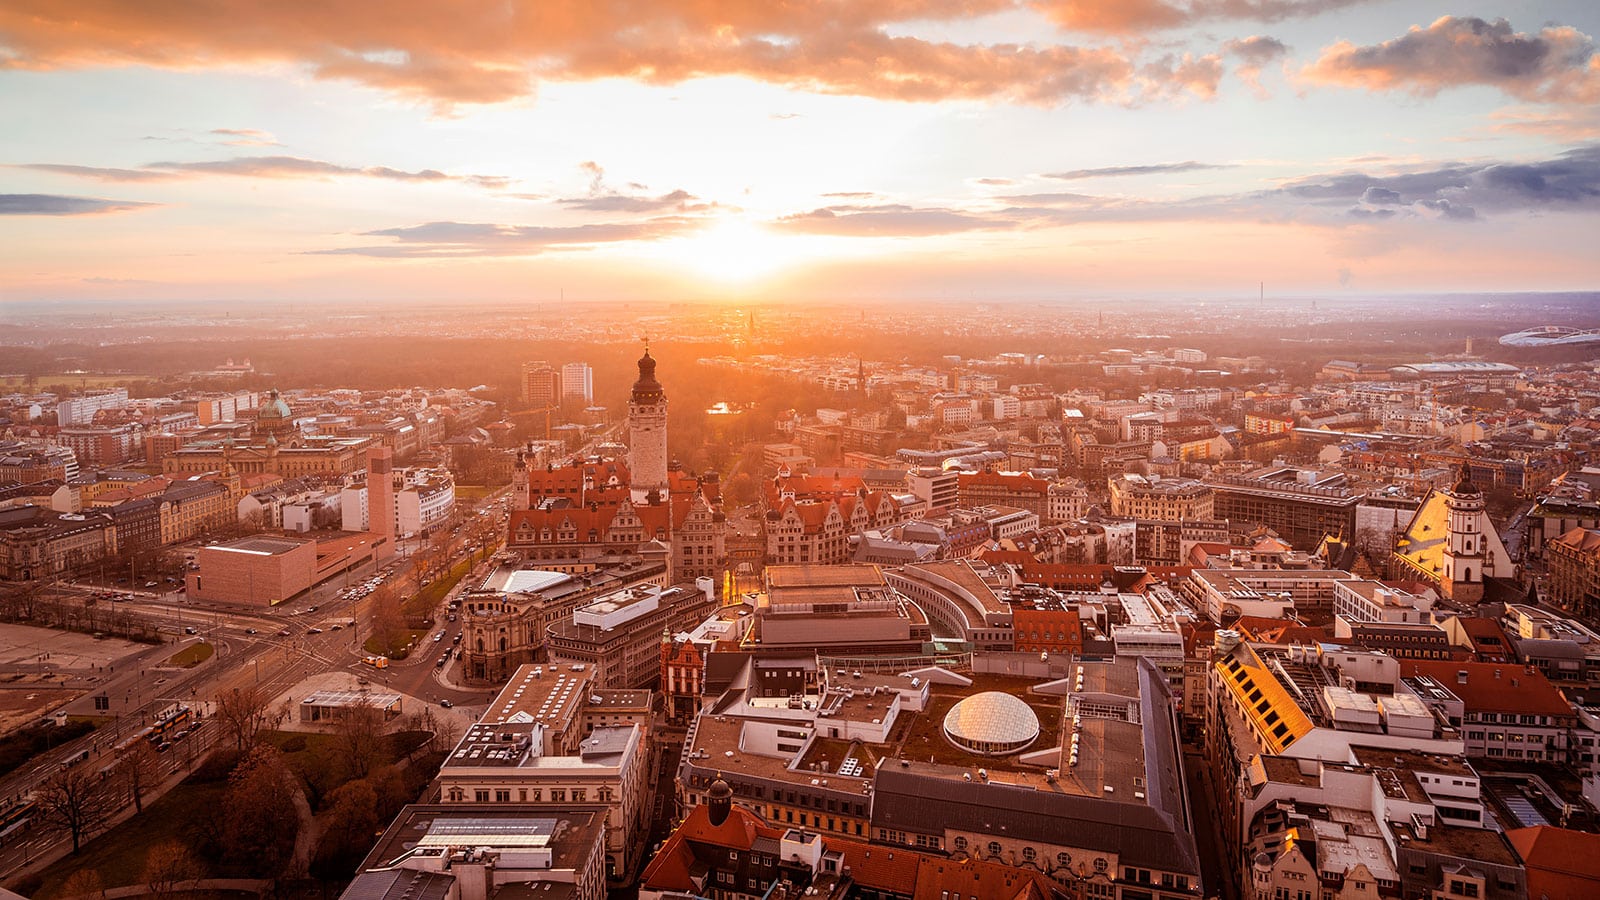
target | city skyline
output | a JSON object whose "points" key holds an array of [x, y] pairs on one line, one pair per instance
{"points": [[990, 151]]}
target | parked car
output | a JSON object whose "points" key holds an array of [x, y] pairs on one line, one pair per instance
{"points": [[446, 703]]}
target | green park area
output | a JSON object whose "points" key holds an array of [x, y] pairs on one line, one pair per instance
{"points": [[192, 655]]}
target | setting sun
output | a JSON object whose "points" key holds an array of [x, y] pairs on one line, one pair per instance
{"points": [[735, 249]]}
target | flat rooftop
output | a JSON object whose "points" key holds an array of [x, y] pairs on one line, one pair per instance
{"points": [[259, 546], [823, 576], [548, 693], [431, 829], [373, 699], [962, 575]]}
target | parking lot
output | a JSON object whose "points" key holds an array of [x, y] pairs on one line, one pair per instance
{"points": [[26, 649]]}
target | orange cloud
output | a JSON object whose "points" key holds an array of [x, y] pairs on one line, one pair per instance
{"points": [[1557, 65], [483, 51], [1128, 16]]}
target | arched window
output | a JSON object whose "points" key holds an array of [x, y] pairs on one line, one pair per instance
{"points": [[994, 848], [1030, 854]]}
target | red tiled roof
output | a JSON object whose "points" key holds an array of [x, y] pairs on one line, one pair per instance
{"points": [[884, 869], [982, 880], [1562, 864], [1281, 631], [581, 517], [1494, 687], [1020, 482]]}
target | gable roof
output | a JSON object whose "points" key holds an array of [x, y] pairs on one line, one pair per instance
{"points": [[1562, 864], [1494, 687], [1139, 834]]}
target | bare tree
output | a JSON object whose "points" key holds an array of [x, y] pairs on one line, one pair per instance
{"points": [[84, 884], [244, 714], [259, 820], [139, 768], [388, 621], [442, 731], [168, 865], [75, 800], [360, 739]]}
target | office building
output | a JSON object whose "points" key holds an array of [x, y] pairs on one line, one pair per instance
{"points": [[577, 383]]}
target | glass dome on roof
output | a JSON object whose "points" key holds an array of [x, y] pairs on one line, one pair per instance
{"points": [[991, 724]]}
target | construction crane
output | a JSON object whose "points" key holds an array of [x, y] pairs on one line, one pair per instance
{"points": [[547, 411]]}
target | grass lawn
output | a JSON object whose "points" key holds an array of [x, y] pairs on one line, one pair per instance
{"points": [[119, 854], [192, 655], [472, 493], [395, 651], [425, 600]]}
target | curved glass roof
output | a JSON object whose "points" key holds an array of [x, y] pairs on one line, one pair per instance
{"points": [[991, 718]]}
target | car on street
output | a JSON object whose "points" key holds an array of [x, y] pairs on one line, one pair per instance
{"points": [[446, 703], [249, 631], [313, 630], [285, 633], [190, 629]]}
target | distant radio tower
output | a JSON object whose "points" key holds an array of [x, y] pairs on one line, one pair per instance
{"points": [[1263, 293]]}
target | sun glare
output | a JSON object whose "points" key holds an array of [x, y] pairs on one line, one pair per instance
{"points": [[735, 249]]}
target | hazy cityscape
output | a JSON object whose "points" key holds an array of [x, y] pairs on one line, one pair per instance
{"points": [[1064, 450]]}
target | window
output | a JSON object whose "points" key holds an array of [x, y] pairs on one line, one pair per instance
{"points": [[481, 795], [1100, 864], [994, 848], [558, 795], [1030, 854], [961, 844], [502, 796]]}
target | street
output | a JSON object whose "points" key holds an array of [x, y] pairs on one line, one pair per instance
{"points": [[325, 628]]}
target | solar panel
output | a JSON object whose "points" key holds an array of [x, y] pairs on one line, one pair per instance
{"points": [[497, 826]]}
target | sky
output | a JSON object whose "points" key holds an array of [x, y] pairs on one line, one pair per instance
{"points": [[702, 149]]}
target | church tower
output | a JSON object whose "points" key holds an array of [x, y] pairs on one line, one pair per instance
{"points": [[647, 433], [1466, 556], [521, 490]]}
